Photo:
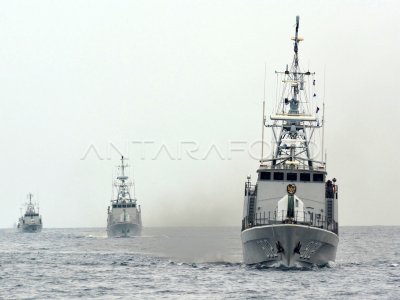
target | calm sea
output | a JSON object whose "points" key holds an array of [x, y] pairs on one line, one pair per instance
{"points": [[188, 263]]}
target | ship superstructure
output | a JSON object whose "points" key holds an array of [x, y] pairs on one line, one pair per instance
{"points": [[31, 220], [124, 214], [290, 217]]}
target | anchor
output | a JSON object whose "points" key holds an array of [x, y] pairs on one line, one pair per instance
{"points": [[279, 247], [297, 248]]}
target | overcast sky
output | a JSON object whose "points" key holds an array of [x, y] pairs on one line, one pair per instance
{"points": [[84, 76]]}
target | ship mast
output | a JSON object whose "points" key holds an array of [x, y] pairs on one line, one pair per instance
{"points": [[296, 43], [122, 186], [30, 198], [30, 206], [122, 166], [293, 122]]}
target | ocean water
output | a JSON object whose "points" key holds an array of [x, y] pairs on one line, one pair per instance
{"points": [[188, 263]]}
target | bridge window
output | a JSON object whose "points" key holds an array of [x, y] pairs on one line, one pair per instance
{"points": [[265, 176], [291, 176], [305, 177], [318, 177], [31, 215], [278, 176]]}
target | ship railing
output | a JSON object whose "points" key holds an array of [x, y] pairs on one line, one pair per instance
{"points": [[296, 217]]}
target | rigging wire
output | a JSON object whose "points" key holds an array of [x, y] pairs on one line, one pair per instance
{"points": [[263, 115], [323, 118]]}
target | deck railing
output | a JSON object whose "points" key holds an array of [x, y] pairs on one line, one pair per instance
{"points": [[280, 217]]}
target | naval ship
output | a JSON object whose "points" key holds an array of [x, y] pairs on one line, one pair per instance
{"points": [[31, 221], [290, 216], [123, 215]]}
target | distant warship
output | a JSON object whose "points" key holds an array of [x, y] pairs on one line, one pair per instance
{"points": [[290, 217], [124, 215], [31, 221]]}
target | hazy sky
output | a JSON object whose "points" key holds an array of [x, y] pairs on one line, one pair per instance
{"points": [[79, 75]]}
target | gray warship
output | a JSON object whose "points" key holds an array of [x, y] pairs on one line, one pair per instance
{"points": [[124, 214], [290, 216], [31, 220]]}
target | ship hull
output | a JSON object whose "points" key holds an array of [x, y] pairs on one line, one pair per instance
{"points": [[289, 245], [124, 230], [30, 228]]}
